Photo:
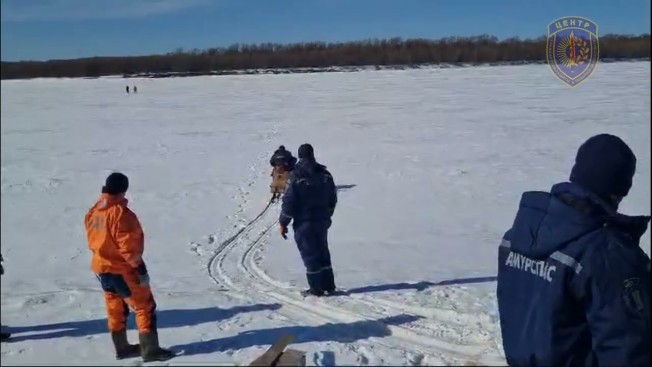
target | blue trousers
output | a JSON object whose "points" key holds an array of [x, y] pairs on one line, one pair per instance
{"points": [[312, 242]]}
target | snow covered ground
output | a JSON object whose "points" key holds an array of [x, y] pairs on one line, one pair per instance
{"points": [[431, 165]]}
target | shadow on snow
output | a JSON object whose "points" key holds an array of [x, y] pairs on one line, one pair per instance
{"points": [[419, 286], [165, 319], [339, 332], [344, 187]]}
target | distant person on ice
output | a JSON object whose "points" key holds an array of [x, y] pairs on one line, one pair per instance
{"points": [[127, 88], [310, 202], [282, 163], [117, 241], [573, 283], [135, 89]]}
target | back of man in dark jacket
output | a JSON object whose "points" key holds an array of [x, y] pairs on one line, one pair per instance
{"points": [[573, 283], [310, 201]]}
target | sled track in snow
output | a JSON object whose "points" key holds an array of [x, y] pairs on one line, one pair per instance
{"points": [[221, 247], [245, 289], [413, 343], [339, 312], [449, 326]]}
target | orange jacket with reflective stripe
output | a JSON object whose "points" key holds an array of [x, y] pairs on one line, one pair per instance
{"points": [[115, 236]]}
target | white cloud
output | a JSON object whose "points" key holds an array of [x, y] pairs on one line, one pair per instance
{"points": [[30, 10]]}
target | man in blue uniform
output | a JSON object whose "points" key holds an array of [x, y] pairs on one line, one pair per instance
{"points": [[310, 201], [573, 282]]}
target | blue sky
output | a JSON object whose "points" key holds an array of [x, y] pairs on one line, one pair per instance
{"points": [[56, 29]]}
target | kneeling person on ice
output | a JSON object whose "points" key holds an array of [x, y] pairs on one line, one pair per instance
{"points": [[282, 162], [116, 239], [310, 201]]}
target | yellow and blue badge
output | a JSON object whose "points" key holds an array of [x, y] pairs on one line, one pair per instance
{"points": [[572, 49]]}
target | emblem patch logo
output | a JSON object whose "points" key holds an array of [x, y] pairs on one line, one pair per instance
{"points": [[633, 295], [572, 49]]}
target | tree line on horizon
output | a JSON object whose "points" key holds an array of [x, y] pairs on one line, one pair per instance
{"points": [[394, 51]]}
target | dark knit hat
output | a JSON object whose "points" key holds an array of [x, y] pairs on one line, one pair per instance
{"points": [[306, 152], [605, 166], [116, 183]]}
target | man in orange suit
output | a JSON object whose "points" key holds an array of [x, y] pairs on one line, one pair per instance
{"points": [[116, 239]]}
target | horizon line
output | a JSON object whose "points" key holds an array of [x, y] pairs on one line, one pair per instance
{"points": [[333, 43]]}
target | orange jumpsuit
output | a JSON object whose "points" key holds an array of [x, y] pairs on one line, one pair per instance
{"points": [[116, 239]]}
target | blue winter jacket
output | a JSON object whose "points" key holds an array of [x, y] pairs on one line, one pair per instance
{"points": [[311, 194], [573, 283]]}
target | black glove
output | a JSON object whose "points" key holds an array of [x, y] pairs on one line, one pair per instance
{"points": [[143, 277]]}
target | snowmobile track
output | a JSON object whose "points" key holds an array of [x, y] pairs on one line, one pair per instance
{"points": [[301, 313], [401, 338], [209, 267], [438, 315], [323, 308]]}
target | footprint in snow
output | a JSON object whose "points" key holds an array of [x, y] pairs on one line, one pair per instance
{"points": [[363, 360], [38, 300], [415, 359], [195, 248]]}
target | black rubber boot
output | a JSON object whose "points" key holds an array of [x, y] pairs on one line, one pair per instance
{"points": [[315, 287], [328, 280], [312, 292], [150, 349], [122, 347]]}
